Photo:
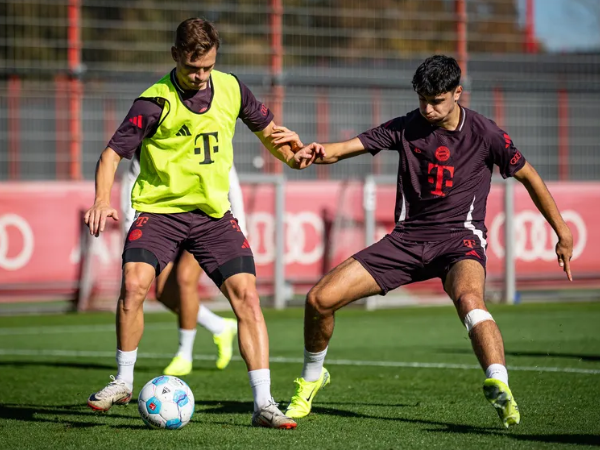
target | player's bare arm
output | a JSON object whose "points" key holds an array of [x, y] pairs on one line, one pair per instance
{"points": [[96, 216], [284, 150], [325, 153], [544, 202]]}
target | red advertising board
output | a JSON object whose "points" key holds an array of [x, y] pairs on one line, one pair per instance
{"points": [[324, 224]]}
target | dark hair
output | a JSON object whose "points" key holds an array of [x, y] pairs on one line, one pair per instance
{"points": [[436, 75], [195, 37]]}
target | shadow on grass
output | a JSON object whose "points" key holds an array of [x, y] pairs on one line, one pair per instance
{"points": [[63, 415], [579, 439], [532, 354], [225, 407]]}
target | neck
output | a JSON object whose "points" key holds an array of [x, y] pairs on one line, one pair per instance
{"points": [[452, 121]]}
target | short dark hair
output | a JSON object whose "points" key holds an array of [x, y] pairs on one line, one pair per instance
{"points": [[436, 75], [196, 37]]}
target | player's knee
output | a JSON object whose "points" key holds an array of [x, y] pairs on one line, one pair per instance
{"points": [[247, 304], [134, 292], [187, 275], [468, 301], [317, 300], [476, 316]]}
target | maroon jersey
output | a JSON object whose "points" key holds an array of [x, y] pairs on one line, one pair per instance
{"points": [[444, 176], [142, 119]]}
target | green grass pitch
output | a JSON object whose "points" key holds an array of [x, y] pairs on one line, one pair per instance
{"points": [[403, 378]]}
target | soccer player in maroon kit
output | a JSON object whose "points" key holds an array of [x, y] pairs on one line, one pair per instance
{"points": [[181, 194], [446, 156]]}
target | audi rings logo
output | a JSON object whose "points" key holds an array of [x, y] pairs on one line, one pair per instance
{"points": [[9, 260], [534, 237], [303, 237]]}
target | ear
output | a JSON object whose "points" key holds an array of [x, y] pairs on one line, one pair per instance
{"points": [[174, 54], [457, 93]]}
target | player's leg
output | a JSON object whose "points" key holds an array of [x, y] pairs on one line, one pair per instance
{"points": [[240, 290], [177, 289], [224, 254], [147, 251], [137, 279], [172, 290], [345, 284], [465, 283]]}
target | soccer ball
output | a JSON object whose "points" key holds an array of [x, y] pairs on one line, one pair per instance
{"points": [[166, 402]]}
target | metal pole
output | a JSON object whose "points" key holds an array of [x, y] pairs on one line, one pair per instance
{"points": [[75, 88], [509, 242], [279, 271], [563, 135], [530, 43], [14, 127], [323, 121], [276, 106], [279, 295], [461, 48], [369, 205], [61, 125]]}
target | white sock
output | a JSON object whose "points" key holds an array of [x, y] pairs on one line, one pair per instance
{"points": [[498, 372], [186, 343], [313, 365], [125, 364], [209, 320], [260, 382]]}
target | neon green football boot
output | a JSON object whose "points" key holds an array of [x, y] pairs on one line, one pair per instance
{"points": [[224, 342], [301, 402], [499, 395], [178, 367]]}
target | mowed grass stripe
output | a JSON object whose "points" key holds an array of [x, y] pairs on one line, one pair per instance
{"points": [[276, 359], [64, 329]]}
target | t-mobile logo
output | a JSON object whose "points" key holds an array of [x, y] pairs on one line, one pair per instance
{"points": [[441, 177]]}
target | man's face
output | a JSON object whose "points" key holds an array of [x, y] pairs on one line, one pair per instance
{"points": [[436, 109], [194, 75]]}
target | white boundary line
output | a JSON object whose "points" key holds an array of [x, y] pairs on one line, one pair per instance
{"points": [[276, 359]]}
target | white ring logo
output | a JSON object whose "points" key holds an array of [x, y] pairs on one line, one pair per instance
{"points": [[20, 260], [531, 243], [261, 227]]}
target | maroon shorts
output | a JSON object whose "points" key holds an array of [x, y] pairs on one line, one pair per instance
{"points": [[218, 244], [394, 262]]}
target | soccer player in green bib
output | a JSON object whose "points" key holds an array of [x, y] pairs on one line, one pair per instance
{"points": [[184, 126]]}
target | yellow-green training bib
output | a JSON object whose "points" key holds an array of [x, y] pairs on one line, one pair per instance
{"points": [[185, 165]]}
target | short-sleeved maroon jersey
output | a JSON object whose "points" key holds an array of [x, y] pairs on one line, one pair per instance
{"points": [[444, 176]]}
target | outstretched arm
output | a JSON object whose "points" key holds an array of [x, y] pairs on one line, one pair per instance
{"points": [[337, 151], [544, 202], [326, 153], [96, 216]]}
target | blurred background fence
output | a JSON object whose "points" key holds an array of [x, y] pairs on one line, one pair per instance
{"points": [[328, 69]]}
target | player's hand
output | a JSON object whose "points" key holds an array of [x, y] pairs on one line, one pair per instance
{"points": [[307, 155], [283, 135], [564, 252], [95, 217]]}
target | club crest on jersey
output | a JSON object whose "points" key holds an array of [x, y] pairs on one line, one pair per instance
{"points": [[135, 234], [442, 153]]}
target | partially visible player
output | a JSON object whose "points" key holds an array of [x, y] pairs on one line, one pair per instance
{"points": [[177, 285], [446, 155]]}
